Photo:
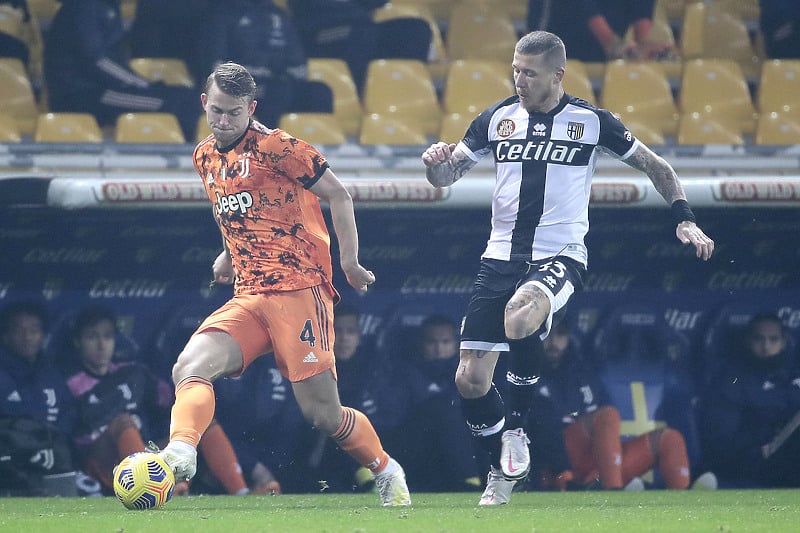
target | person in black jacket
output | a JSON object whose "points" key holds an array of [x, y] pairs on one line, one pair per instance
{"points": [[594, 30], [263, 38], [576, 430], [86, 69], [120, 401], [441, 454], [345, 29], [34, 401], [751, 411]]}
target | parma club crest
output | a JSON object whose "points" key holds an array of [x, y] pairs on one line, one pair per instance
{"points": [[575, 130]]}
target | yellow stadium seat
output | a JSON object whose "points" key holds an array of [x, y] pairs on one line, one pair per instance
{"points": [[403, 88], [672, 10], [389, 130], [68, 128], [640, 91], [9, 132], [454, 126], [43, 10], [646, 133], [440, 9], [145, 127], [779, 85], [128, 10], [778, 128], [708, 31], [717, 87], [201, 130], [346, 104], [699, 128], [577, 82], [476, 31], [392, 10], [11, 21], [314, 128], [16, 94], [472, 85], [172, 71], [516, 10], [747, 10]]}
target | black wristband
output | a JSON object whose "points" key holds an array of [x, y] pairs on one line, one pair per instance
{"points": [[681, 212]]}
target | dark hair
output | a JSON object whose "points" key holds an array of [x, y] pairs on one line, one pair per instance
{"points": [[761, 318], [25, 307], [543, 42], [232, 79], [436, 320], [90, 316], [345, 309]]}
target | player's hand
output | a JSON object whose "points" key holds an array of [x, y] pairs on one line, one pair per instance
{"points": [[437, 153], [223, 269], [689, 233], [359, 277]]}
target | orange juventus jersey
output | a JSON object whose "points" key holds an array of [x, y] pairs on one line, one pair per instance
{"points": [[271, 222]]}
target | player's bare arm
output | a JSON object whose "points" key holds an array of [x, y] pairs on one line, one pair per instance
{"points": [[445, 164], [660, 172], [666, 182], [333, 191]]}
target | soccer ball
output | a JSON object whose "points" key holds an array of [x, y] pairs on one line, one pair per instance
{"points": [[143, 481]]}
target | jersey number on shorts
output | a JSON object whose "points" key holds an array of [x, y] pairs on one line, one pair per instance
{"points": [[307, 335]]}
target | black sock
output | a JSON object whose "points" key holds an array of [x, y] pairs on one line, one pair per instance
{"points": [[523, 373], [485, 420]]}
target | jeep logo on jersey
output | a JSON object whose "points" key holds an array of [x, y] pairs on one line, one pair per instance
{"points": [[505, 127], [575, 130], [565, 152], [230, 203]]}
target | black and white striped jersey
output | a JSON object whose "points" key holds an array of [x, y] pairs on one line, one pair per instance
{"points": [[544, 164]]}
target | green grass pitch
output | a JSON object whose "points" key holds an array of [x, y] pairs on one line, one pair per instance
{"points": [[618, 512]]}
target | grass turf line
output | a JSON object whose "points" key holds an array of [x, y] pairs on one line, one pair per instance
{"points": [[726, 511]]}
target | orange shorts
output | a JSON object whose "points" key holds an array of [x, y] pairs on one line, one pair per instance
{"points": [[296, 325]]}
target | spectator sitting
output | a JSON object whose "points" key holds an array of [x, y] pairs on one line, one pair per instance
{"points": [[576, 431], [14, 45], [780, 26], [441, 453], [594, 30], [267, 456], [344, 29], [36, 408], [118, 402], [263, 38], [86, 69], [751, 412], [171, 29], [365, 382]]}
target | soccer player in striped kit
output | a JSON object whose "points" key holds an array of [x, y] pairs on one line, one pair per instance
{"points": [[545, 144]]}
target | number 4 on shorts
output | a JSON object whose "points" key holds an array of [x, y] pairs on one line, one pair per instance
{"points": [[307, 335]]}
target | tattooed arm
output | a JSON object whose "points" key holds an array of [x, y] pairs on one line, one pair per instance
{"points": [[660, 172], [666, 182], [445, 164]]}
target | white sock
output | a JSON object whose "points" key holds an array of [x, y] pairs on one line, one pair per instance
{"points": [[181, 447]]}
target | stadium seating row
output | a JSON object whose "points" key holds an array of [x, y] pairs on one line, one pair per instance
{"points": [[401, 104]]}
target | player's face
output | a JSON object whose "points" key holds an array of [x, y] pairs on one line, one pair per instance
{"points": [[537, 84], [96, 346], [227, 116], [25, 337], [439, 342], [348, 337], [555, 346], [766, 340]]}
